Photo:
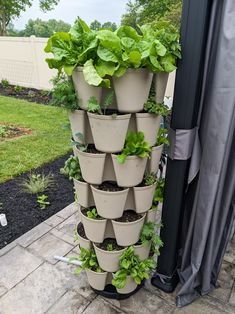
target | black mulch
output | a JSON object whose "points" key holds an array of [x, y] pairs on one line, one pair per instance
{"points": [[21, 209], [29, 94]]}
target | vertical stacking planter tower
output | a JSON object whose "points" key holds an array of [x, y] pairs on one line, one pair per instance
{"points": [[116, 145]]}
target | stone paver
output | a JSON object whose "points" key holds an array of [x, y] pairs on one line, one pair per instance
{"points": [[53, 221], [48, 246], [68, 211], [101, 306], [32, 235], [32, 282], [36, 293], [16, 265], [70, 303]]}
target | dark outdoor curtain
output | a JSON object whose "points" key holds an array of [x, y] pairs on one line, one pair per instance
{"points": [[209, 218]]}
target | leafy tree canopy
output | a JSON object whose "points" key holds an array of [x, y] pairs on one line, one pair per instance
{"points": [[10, 9], [96, 25]]}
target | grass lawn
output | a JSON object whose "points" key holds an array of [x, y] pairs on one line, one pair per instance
{"points": [[48, 139]]}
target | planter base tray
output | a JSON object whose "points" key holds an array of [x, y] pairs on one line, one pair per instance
{"points": [[110, 292]]}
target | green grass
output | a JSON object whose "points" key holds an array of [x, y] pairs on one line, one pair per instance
{"points": [[48, 141]]}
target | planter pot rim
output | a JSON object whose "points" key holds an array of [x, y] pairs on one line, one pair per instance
{"points": [[78, 111], [147, 115], [137, 70], [101, 155], [110, 118], [109, 192], [97, 273], [97, 220], [129, 223], [157, 147], [128, 157], [109, 252], [153, 209], [83, 238], [142, 245], [81, 182], [79, 68], [140, 188]]}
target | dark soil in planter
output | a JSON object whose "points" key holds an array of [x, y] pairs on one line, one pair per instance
{"points": [[81, 231], [110, 186], [106, 242], [129, 216], [85, 210], [22, 210], [29, 94], [92, 150]]}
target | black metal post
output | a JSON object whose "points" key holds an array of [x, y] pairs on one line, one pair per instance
{"points": [[194, 29]]}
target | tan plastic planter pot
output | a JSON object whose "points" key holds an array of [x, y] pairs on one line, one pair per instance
{"points": [[92, 166], [94, 228], [77, 122], [149, 124], [84, 243], [110, 205], [83, 90], [143, 197], [161, 79], [130, 286], [109, 133], [142, 251], [131, 172], [108, 261], [128, 233], [155, 156], [84, 194], [132, 89], [96, 280], [151, 215]]}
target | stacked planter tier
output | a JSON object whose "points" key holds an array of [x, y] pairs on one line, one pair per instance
{"points": [[107, 134]]}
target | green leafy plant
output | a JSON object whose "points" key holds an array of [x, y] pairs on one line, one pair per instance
{"points": [[149, 179], [89, 261], [152, 107], [31, 94], [109, 247], [45, 92], [92, 214], [37, 183], [5, 83], [162, 137], [63, 93], [105, 52], [130, 265], [18, 89], [72, 169], [149, 234], [80, 143], [95, 107], [42, 200], [158, 194], [4, 131], [135, 145]]}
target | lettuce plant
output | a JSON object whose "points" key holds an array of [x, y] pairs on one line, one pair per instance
{"points": [[162, 137], [149, 234], [95, 107], [135, 145], [130, 265], [89, 261], [72, 169], [158, 194]]}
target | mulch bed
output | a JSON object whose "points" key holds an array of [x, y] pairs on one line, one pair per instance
{"points": [[11, 131], [29, 94], [21, 209]]}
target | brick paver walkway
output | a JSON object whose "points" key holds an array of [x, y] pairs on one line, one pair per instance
{"points": [[31, 281]]}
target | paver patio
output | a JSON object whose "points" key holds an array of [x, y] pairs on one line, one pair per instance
{"points": [[31, 281]]}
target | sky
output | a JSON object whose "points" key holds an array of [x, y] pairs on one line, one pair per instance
{"points": [[68, 10]]}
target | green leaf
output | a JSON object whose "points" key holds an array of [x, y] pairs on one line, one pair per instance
{"points": [[128, 31], [135, 58], [106, 54], [105, 68], [90, 74]]}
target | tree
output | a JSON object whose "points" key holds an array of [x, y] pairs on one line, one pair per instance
{"points": [[111, 25], [95, 25], [10, 9], [147, 11], [41, 28]]}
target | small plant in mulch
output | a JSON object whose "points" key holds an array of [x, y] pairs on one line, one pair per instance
{"points": [[18, 88], [42, 200], [5, 83], [37, 183], [110, 245]]}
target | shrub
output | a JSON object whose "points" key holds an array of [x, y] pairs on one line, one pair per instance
{"points": [[37, 183], [5, 83]]}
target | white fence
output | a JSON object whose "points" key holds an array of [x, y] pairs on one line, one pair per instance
{"points": [[22, 62]]}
